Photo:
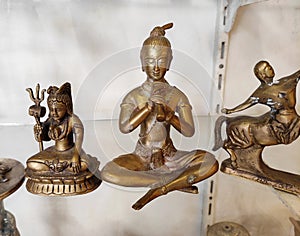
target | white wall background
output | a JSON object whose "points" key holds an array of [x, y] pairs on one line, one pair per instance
{"points": [[51, 42]]}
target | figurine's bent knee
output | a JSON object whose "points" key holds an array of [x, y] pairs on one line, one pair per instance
{"points": [[83, 166], [203, 170], [215, 167], [108, 175], [131, 162], [37, 166], [202, 157]]}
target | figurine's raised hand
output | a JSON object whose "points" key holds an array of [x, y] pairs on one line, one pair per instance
{"points": [[38, 131], [36, 111], [226, 111], [160, 112], [160, 92], [157, 99], [163, 112], [158, 105], [150, 105]]}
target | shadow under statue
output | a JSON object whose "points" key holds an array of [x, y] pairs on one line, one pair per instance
{"points": [[156, 106], [247, 136]]}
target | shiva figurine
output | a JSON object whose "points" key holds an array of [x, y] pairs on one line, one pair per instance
{"points": [[62, 169]]}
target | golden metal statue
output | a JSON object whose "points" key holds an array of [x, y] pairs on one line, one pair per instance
{"points": [[62, 169], [155, 106], [247, 136], [11, 178]]}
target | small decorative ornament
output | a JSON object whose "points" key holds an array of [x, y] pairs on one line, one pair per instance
{"points": [[247, 136], [63, 169]]}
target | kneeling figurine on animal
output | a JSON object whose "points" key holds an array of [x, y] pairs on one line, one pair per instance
{"points": [[247, 136]]}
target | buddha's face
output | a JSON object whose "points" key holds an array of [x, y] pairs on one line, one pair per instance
{"points": [[156, 61], [58, 111]]}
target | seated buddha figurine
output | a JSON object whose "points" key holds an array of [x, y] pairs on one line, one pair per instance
{"points": [[62, 169], [156, 106]]}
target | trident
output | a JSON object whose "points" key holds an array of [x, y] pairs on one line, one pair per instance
{"points": [[36, 110]]}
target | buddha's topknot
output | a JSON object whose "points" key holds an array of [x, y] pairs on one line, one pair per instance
{"points": [[157, 38], [160, 31]]}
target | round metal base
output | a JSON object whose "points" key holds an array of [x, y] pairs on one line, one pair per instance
{"points": [[227, 229], [63, 185]]}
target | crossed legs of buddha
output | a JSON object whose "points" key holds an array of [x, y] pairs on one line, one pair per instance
{"points": [[129, 170], [202, 167]]}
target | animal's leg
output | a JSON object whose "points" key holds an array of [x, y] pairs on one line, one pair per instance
{"points": [[233, 156]]}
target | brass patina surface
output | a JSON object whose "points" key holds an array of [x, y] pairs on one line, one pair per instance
{"points": [[155, 107], [63, 169], [227, 229], [296, 224], [11, 178], [247, 136]]}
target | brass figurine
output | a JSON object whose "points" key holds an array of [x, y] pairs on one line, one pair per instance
{"points": [[248, 136], [63, 169], [11, 178], [155, 106]]}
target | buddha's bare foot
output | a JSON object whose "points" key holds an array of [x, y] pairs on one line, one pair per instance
{"points": [[149, 196], [192, 189]]}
